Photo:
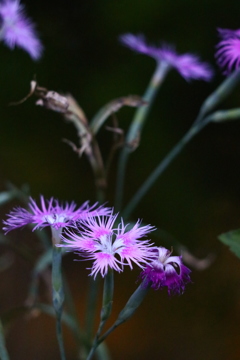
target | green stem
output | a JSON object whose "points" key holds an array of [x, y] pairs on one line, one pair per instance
{"points": [[58, 295], [106, 309], [59, 335], [130, 308], [91, 305], [3, 351], [136, 126], [162, 166], [93, 288], [78, 333], [220, 94]]}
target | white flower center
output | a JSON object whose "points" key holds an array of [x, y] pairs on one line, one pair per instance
{"points": [[55, 218]]}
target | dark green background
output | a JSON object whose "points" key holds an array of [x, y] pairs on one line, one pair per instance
{"points": [[195, 200]]}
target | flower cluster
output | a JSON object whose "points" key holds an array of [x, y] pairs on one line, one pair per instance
{"points": [[188, 65], [17, 30], [95, 234]]}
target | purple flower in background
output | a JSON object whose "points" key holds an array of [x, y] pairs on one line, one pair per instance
{"points": [[109, 247], [226, 33], [228, 50], [138, 43], [51, 213], [188, 65], [17, 30], [166, 270]]}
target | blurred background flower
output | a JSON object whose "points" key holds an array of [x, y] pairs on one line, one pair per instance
{"points": [[17, 30], [228, 50], [188, 65]]}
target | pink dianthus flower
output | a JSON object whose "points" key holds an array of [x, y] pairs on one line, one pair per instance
{"points": [[97, 239], [166, 271], [51, 213]]}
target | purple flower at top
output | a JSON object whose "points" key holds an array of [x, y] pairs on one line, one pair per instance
{"points": [[188, 65], [138, 43], [51, 213], [228, 50], [226, 33], [17, 30], [166, 271], [108, 246]]}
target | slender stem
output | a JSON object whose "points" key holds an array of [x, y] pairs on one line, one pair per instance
{"points": [[3, 351], [220, 94], [60, 336], [102, 352], [93, 288], [106, 309], [58, 295], [78, 332], [91, 305], [136, 126], [162, 166], [129, 309]]}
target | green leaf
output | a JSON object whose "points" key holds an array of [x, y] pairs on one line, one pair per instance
{"points": [[6, 196], [232, 239]]}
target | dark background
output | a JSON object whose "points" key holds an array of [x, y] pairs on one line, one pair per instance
{"points": [[195, 200]]}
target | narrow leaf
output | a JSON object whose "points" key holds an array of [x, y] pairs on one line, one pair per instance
{"points": [[6, 196], [225, 115], [232, 239], [113, 107]]}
